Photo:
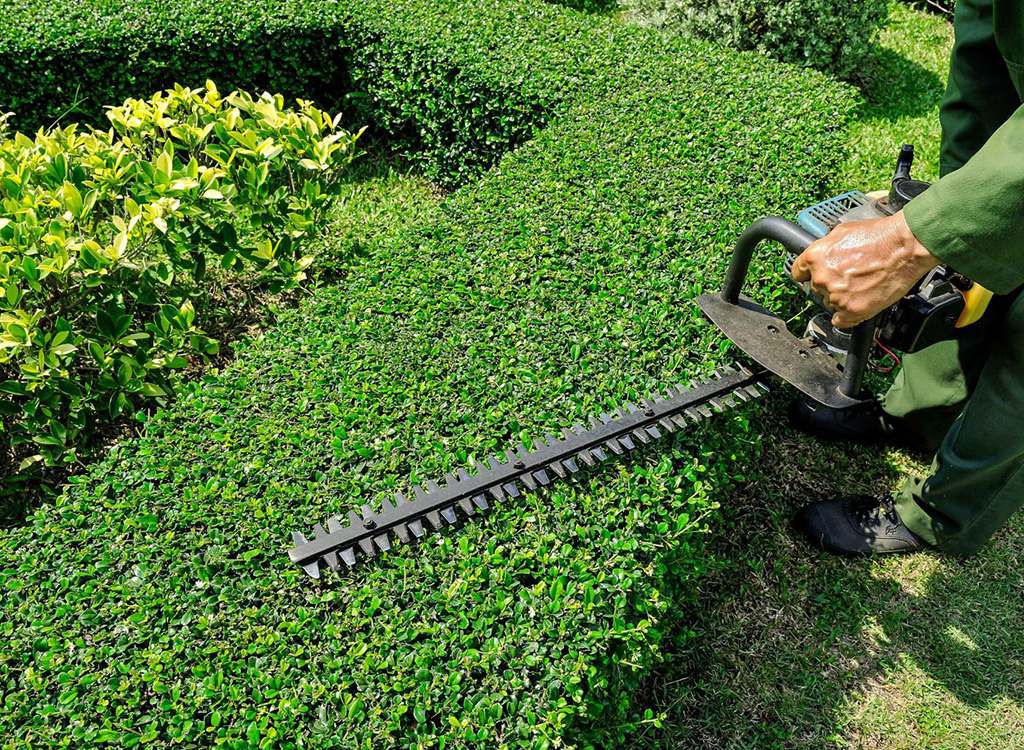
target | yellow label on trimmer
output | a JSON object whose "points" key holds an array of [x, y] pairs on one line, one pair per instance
{"points": [[976, 301]]}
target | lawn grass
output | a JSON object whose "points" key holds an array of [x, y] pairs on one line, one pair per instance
{"points": [[796, 649], [902, 85]]}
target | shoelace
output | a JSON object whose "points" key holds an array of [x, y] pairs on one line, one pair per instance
{"points": [[875, 509]]}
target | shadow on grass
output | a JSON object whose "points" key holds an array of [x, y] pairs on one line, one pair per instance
{"points": [[895, 86], [788, 639]]}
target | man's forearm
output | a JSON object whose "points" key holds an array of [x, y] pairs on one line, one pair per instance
{"points": [[973, 218]]}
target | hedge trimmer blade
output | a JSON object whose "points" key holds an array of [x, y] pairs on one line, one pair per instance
{"points": [[432, 506]]}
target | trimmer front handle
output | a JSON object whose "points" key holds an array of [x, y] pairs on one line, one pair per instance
{"points": [[764, 337]]}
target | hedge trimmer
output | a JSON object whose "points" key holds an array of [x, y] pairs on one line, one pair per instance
{"points": [[827, 365]]}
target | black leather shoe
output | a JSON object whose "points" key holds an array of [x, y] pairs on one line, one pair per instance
{"points": [[859, 424], [856, 526]]}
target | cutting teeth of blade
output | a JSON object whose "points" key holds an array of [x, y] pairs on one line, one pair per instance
{"points": [[528, 480], [679, 421], [580, 429], [480, 501], [463, 475], [741, 394], [571, 465], [614, 446], [716, 404], [497, 493], [641, 436], [333, 524], [435, 520], [631, 408], [349, 556], [416, 527], [450, 480], [586, 458], [627, 443], [318, 531], [494, 463], [599, 454], [366, 545], [400, 499], [331, 558], [652, 431], [551, 439], [432, 487], [729, 401], [511, 489], [382, 542], [354, 519], [312, 568], [402, 531], [298, 538], [558, 469], [666, 424], [704, 410], [368, 514], [467, 506], [420, 494], [540, 476], [448, 514]]}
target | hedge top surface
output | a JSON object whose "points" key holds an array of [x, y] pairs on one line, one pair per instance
{"points": [[154, 602], [527, 40]]}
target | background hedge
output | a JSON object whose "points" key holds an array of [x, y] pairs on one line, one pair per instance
{"points": [[834, 37], [454, 92], [153, 601]]}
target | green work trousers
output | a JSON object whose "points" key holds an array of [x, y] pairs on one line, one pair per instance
{"points": [[965, 397]]}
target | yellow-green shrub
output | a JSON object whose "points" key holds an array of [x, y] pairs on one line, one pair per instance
{"points": [[105, 236]]}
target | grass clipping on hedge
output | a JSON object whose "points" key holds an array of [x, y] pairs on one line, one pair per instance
{"points": [[153, 602]]}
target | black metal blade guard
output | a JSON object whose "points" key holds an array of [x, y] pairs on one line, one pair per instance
{"points": [[764, 338]]}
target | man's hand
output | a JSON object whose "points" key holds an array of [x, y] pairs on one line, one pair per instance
{"points": [[862, 267]]}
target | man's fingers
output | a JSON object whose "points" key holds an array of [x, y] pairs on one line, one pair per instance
{"points": [[844, 319], [801, 268], [821, 292]]}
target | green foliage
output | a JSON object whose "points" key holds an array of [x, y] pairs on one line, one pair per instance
{"points": [[105, 236], [944, 8], [829, 36], [589, 6], [456, 95], [153, 601]]}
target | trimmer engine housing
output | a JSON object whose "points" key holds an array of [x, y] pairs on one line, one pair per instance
{"points": [[828, 364], [929, 311]]}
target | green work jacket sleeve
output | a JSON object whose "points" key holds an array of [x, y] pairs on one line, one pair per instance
{"points": [[973, 219]]}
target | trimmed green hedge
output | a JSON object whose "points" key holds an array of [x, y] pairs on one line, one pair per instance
{"points": [[456, 92], [154, 602]]}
